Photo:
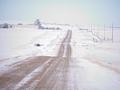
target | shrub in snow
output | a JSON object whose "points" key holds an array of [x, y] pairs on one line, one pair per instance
{"points": [[5, 25], [20, 24], [37, 44]]}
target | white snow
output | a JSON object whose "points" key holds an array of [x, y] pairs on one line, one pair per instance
{"points": [[21, 41], [84, 46], [18, 43], [92, 76]]}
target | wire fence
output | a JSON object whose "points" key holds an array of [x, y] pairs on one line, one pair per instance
{"points": [[106, 33]]}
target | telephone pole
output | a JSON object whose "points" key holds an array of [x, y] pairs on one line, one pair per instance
{"points": [[112, 32]]}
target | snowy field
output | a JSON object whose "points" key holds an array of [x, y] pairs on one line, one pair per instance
{"points": [[30, 55], [86, 45], [21, 41]]}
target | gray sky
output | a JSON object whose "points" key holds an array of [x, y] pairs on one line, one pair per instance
{"points": [[61, 11]]}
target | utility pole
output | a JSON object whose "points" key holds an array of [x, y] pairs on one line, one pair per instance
{"points": [[112, 33], [91, 28], [104, 31]]}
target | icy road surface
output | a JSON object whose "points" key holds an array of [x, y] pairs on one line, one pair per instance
{"points": [[72, 68]]}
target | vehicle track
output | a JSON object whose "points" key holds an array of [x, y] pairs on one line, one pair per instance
{"points": [[37, 73]]}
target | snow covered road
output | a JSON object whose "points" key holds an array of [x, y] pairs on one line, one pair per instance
{"points": [[73, 66]]}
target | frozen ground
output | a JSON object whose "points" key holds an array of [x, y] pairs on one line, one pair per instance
{"points": [[68, 59]]}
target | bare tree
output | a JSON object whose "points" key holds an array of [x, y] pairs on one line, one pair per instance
{"points": [[38, 23]]}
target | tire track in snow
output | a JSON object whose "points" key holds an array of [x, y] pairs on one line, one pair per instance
{"points": [[32, 75], [27, 80], [28, 74]]}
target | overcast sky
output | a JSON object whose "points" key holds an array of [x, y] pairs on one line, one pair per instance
{"points": [[61, 11]]}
